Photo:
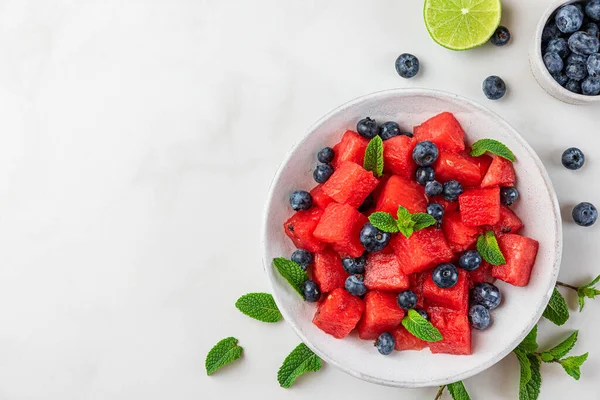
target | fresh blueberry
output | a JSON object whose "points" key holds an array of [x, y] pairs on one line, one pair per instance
{"points": [[573, 86], [584, 43], [433, 188], [422, 313], [373, 239], [303, 258], [508, 195], [487, 295], [590, 86], [558, 46], [592, 10], [470, 260], [367, 204], [573, 158], [322, 173], [326, 155], [354, 266], [355, 285], [480, 317], [425, 153], [301, 200], [367, 128], [569, 19], [452, 189], [436, 211], [576, 71], [388, 130], [311, 291], [553, 63], [593, 65], [424, 175], [585, 214], [445, 275], [577, 58], [494, 87], [550, 32], [407, 65], [561, 78], [407, 300], [501, 37], [592, 29], [385, 343]]}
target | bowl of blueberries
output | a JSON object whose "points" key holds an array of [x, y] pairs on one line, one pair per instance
{"points": [[565, 53]]}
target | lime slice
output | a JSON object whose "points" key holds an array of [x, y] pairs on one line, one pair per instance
{"points": [[462, 24]]}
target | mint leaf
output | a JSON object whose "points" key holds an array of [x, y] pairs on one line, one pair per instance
{"points": [[561, 349], [420, 327], [525, 368], [458, 391], [298, 362], [487, 246], [594, 282], [374, 157], [384, 221], [531, 390], [571, 365], [529, 344], [584, 292], [493, 146], [422, 220], [291, 272], [260, 306], [405, 223], [557, 310], [222, 354]]}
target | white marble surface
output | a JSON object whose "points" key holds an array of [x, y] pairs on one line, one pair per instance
{"points": [[138, 142]]}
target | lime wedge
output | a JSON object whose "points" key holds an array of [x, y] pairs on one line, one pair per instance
{"points": [[462, 24]]}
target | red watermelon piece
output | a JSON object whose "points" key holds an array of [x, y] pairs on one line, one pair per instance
{"points": [[460, 237], [500, 173], [509, 222], [383, 272], [397, 156], [520, 253], [480, 206], [300, 227], [404, 340], [338, 313], [482, 274], [382, 314], [416, 285], [455, 298], [453, 166], [425, 249], [350, 184], [443, 130], [401, 192], [320, 199], [483, 161], [328, 272], [455, 329], [351, 148], [340, 226]]}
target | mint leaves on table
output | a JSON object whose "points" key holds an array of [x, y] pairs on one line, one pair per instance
{"points": [[561, 349], [457, 391], [557, 311], [482, 146], [260, 306], [407, 223], [291, 272], [488, 247], [223, 353], [589, 290], [374, 157], [571, 365], [420, 327], [298, 362]]}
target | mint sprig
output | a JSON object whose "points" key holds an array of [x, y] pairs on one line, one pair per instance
{"points": [[407, 223], [458, 391], [260, 306], [488, 247], [482, 146], [557, 311], [585, 291], [300, 361], [420, 327], [572, 365], [561, 349], [223, 353], [384, 221], [291, 272], [373, 160]]}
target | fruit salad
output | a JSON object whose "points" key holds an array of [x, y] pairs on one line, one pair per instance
{"points": [[405, 234]]}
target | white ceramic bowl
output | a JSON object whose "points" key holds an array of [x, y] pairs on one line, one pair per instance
{"points": [[521, 308]]}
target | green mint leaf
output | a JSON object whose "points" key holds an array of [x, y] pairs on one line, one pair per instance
{"points": [[291, 272], [384, 221], [420, 327], [561, 349], [298, 362], [580, 299], [487, 246], [374, 157], [586, 291], [493, 146], [531, 390], [458, 391], [529, 344], [422, 221], [405, 222], [525, 368], [557, 310], [224, 352], [594, 282], [260, 306], [571, 365]]}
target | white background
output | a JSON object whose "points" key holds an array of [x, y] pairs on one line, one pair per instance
{"points": [[137, 143]]}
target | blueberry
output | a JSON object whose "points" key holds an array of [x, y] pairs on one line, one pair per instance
{"points": [[388, 130], [501, 37], [487, 295], [550, 32], [577, 58], [367, 204], [558, 46], [470, 260], [424, 175], [494, 87], [592, 10], [422, 313], [480, 317], [585, 214], [569, 19], [355, 285], [560, 78], [573, 86], [354, 266], [373, 239], [311, 291], [407, 300], [385, 343], [301, 200], [452, 189], [322, 173], [445, 276], [573, 158], [407, 65], [590, 86], [326, 155], [576, 71], [593, 65], [433, 188], [436, 211], [425, 153], [367, 128], [303, 258], [584, 43], [553, 63], [592, 29], [508, 195]]}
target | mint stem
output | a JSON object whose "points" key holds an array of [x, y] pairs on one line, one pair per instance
{"points": [[559, 283], [439, 393]]}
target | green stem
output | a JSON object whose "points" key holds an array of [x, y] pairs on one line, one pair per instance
{"points": [[559, 283], [439, 393]]}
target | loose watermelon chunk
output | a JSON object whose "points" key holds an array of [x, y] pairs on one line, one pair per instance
{"points": [[460, 237], [443, 130], [451, 166], [351, 148], [480, 206], [455, 329], [401, 192], [382, 314], [449, 206], [339, 313], [320, 199], [520, 253], [455, 298], [500, 173], [509, 222], [425, 249], [483, 161], [383, 272], [350, 184], [482, 274], [300, 227], [397, 156], [328, 272], [340, 226], [404, 340]]}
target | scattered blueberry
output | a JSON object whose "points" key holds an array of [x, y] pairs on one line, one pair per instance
{"points": [[388, 130], [592, 29], [494, 87], [501, 37], [407, 300], [311, 291], [355, 285], [436, 211], [470, 260], [433, 188], [480, 317], [367, 128], [576, 71], [550, 32], [301, 200], [326, 155], [445, 275], [553, 63], [585, 214], [508, 195], [322, 173], [424, 175], [425, 153], [558, 46], [367, 204], [422, 313], [569, 19], [592, 10], [573, 86], [385, 343], [577, 58], [590, 86], [593, 65], [373, 239], [584, 43], [561, 78], [407, 65], [573, 158], [354, 266], [452, 189], [487, 295], [303, 258]]}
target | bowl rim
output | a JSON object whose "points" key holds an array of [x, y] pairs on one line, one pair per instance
{"points": [[407, 92]]}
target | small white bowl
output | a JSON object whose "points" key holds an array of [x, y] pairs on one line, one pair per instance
{"points": [[539, 70], [521, 308]]}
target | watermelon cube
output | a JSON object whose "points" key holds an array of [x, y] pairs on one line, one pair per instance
{"points": [[520, 253], [509, 222], [453, 166], [455, 329], [455, 298], [401, 192], [407, 341], [338, 313], [482, 274], [328, 272], [340, 226], [416, 285], [483, 161], [397, 156], [423, 250], [460, 237], [320, 199], [500, 173], [480, 206], [443, 130], [300, 227], [351, 148], [350, 184], [449, 206], [383, 272], [382, 314]]}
